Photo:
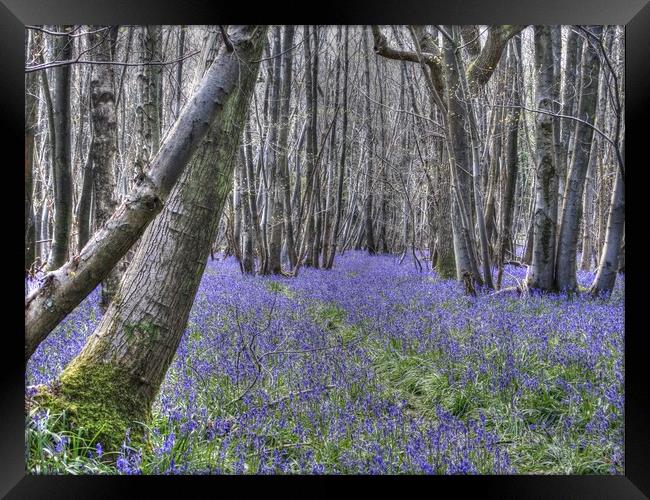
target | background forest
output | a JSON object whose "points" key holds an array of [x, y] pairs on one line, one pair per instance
{"points": [[324, 249]]}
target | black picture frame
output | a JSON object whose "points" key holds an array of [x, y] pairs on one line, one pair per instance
{"points": [[634, 14]]}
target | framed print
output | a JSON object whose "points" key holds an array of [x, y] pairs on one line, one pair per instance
{"points": [[374, 248]]}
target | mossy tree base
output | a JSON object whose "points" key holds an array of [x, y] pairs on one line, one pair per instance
{"points": [[100, 403]]}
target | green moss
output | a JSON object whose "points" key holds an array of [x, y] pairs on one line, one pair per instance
{"points": [[100, 403], [446, 266]]}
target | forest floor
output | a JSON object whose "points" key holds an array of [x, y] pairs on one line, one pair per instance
{"points": [[372, 367]]}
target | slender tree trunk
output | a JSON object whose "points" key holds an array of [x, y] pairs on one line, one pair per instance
{"points": [[445, 260], [369, 234], [102, 150], [283, 182], [250, 192], [248, 258], [179, 69], [329, 215], [84, 207], [588, 209], [569, 102], [311, 72], [610, 256], [62, 168], [149, 107], [275, 230]]}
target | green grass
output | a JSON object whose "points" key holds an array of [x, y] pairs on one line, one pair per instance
{"points": [[530, 425], [277, 287]]}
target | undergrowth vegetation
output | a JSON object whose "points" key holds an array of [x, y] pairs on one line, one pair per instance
{"points": [[371, 367]]}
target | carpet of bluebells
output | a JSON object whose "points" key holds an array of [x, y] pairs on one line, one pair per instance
{"points": [[370, 368]]}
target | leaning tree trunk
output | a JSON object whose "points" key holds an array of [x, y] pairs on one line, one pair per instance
{"points": [[65, 288], [565, 272], [62, 168], [540, 272], [114, 380]]}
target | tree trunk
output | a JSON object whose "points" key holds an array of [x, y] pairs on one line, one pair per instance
{"points": [[609, 257], [461, 167], [85, 203], [102, 150], [569, 94], [274, 199], [588, 209], [367, 214], [540, 272], [248, 258], [62, 168], [149, 106], [311, 95], [250, 192], [115, 378], [283, 181]]}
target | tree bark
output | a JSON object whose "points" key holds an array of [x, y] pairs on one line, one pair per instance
{"points": [[62, 169], [540, 273], [569, 101], [102, 149], [274, 199], [84, 206], [341, 175], [612, 257], [367, 213]]}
